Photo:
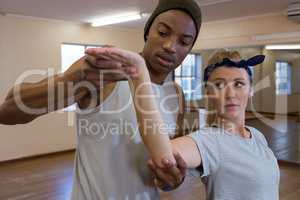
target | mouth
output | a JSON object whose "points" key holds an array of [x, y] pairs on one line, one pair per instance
{"points": [[165, 61], [231, 106]]}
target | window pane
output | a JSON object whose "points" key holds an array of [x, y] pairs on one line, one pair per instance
{"points": [[188, 76], [283, 78], [188, 65], [178, 71], [69, 54]]}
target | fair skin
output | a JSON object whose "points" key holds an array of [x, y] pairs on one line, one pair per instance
{"points": [[232, 89]]}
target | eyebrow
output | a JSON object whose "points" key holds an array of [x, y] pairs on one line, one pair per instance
{"points": [[169, 27], [164, 24], [223, 79]]}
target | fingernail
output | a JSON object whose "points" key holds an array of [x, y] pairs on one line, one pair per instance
{"points": [[166, 161]]}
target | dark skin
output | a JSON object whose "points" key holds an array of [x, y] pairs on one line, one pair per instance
{"points": [[170, 39]]}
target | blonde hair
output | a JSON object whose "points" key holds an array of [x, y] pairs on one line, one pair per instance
{"points": [[217, 57]]}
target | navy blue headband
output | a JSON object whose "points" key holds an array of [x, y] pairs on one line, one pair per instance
{"points": [[245, 64]]}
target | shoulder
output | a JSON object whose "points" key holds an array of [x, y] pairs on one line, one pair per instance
{"points": [[257, 134], [207, 133]]}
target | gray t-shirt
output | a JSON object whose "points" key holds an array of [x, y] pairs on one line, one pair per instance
{"points": [[236, 168], [111, 159]]}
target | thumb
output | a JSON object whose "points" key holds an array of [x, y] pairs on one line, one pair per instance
{"points": [[168, 163]]}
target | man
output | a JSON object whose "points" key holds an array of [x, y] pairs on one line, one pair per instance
{"points": [[111, 160]]}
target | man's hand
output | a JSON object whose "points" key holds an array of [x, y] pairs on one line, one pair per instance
{"points": [[100, 67], [172, 175]]}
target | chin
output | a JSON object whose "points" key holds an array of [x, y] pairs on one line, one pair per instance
{"points": [[231, 116]]}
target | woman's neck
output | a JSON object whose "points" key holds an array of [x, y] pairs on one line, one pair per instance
{"points": [[236, 127]]}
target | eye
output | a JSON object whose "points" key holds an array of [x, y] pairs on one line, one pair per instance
{"points": [[239, 84], [185, 42], [220, 85], [162, 33]]}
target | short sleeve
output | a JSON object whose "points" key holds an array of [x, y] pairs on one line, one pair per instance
{"points": [[208, 147]]}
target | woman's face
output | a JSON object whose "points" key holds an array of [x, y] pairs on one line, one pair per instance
{"points": [[229, 90]]}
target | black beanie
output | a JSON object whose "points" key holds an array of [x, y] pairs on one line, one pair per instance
{"points": [[188, 6]]}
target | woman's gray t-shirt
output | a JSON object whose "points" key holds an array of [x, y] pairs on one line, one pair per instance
{"points": [[236, 168]]}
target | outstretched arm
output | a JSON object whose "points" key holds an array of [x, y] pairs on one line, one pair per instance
{"points": [[150, 121]]}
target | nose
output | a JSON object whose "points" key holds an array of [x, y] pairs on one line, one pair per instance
{"points": [[229, 92], [170, 45]]}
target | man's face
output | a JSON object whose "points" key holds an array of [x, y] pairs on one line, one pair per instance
{"points": [[170, 39]]}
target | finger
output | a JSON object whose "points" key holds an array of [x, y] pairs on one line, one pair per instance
{"points": [[151, 165], [103, 52], [120, 55], [102, 63], [164, 178], [99, 52], [180, 163], [168, 163], [107, 64], [107, 77], [93, 52], [131, 71], [159, 183], [108, 72], [108, 45], [126, 58], [176, 175]]}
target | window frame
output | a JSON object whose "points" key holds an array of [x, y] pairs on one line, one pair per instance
{"points": [[287, 78], [196, 74]]}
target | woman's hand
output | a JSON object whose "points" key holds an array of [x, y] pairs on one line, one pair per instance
{"points": [[171, 175], [128, 62]]}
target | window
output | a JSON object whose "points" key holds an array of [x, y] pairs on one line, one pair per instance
{"points": [[283, 78], [69, 54], [188, 76], [72, 52]]}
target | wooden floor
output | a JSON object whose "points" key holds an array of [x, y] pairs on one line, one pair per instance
{"points": [[50, 177], [282, 134]]}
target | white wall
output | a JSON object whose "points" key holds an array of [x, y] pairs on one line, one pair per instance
{"points": [[243, 31], [35, 44]]}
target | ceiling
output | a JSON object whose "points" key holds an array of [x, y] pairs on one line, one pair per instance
{"points": [[87, 10]]}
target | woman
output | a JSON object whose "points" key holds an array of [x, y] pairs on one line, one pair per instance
{"points": [[235, 160]]}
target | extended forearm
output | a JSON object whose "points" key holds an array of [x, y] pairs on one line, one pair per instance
{"points": [[150, 121]]}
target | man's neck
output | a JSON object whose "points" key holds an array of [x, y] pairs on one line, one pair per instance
{"points": [[156, 77]]}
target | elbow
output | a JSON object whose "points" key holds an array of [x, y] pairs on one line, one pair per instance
{"points": [[11, 122], [10, 115], [8, 120]]}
